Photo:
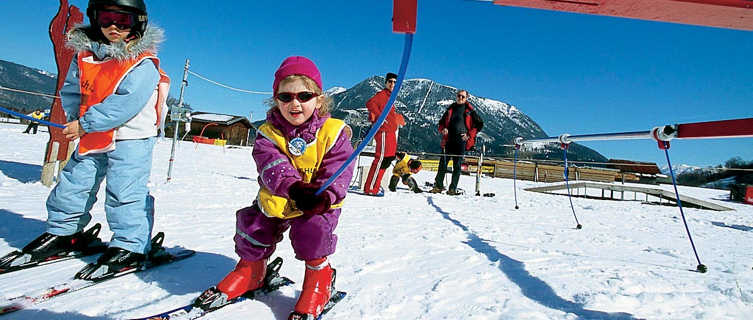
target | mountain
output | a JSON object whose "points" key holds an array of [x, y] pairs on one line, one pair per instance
{"points": [[16, 76], [680, 169], [733, 171], [334, 90], [422, 102]]}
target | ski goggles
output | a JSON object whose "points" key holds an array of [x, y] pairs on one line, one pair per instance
{"points": [[122, 20], [303, 96]]}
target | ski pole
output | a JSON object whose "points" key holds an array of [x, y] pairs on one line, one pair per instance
{"points": [[514, 175], [664, 145], [567, 183]]}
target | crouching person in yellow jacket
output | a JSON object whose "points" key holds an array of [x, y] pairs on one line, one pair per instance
{"points": [[402, 171]]}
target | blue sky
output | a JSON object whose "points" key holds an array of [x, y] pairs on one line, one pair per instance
{"points": [[571, 73]]}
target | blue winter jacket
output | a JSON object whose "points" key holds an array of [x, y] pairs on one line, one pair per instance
{"points": [[129, 98]]}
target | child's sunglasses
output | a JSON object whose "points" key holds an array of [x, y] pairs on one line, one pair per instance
{"points": [[122, 20], [303, 96]]}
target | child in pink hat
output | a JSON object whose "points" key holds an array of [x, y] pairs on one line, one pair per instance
{"points": [[297, 149]]}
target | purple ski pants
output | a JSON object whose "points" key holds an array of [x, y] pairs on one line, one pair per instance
{"points": [[257, 235]]}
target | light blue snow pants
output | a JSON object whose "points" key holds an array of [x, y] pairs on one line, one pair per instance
{"points": [[128, 205]]}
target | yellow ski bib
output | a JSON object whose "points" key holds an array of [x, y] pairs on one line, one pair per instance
{"points": [[305, 157]]}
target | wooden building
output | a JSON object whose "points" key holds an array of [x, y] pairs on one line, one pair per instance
{"points": [[234, 129], [634, 171]]}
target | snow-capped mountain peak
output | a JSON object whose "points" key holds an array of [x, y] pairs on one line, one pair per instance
{"points": [[679, 169], [334, 90], [422, 102]]}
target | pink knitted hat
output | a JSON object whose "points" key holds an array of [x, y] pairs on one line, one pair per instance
{"points": [[297, 65]]}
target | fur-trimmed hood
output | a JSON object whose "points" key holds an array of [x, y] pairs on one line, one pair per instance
{"points": [[79, 41]]}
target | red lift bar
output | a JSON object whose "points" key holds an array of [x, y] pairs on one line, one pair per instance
{"points": [[404, 16], [731, 14], [716, 129], [735, 128]]}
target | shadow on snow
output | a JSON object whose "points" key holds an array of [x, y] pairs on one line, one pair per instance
{"points": [[49, 315], [531, 286], [23, 172], [18, 230], [192, 275], [733, 226], [186, 277]]}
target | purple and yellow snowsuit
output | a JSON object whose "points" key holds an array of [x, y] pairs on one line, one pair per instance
{"points": [[260, 227]]}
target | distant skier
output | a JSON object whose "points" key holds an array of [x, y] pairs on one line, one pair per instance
{"points": [[386, 136], [297, 149], [38, 115], [459, 125], [403, 169], [113, 96]]}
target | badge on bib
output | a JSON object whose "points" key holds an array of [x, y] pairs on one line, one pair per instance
{"points": [[297, 146]]}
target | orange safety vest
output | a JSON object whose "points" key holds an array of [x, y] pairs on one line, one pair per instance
{"points": [[98, 80]]}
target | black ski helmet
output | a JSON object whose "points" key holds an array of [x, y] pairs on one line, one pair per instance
{"points": [[136, 6]]}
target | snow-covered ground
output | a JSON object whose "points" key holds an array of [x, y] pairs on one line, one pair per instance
{"points": [[406, 256]]}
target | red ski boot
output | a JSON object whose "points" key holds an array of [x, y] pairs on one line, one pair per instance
{"points": [[247, 276], [318, 286]]}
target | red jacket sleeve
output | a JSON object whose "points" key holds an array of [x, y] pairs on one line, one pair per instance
{"points": [[375, 105], [443, 121]]}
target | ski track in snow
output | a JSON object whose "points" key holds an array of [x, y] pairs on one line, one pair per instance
{"points": [[405, 256]]}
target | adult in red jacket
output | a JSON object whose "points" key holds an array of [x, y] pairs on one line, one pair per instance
{"points": [[459, 125], [386, 136]]}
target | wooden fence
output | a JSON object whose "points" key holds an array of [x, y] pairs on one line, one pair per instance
{"points": [[538, 172], [534, 171]]}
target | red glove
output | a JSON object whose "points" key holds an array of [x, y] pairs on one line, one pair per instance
{"points": [[304, 198]]}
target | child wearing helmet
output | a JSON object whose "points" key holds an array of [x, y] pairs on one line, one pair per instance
{"points": [[113, 97], [297, 150], [404, 168]]}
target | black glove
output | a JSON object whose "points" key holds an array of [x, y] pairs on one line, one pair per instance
{"points": [[304, 198]]}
